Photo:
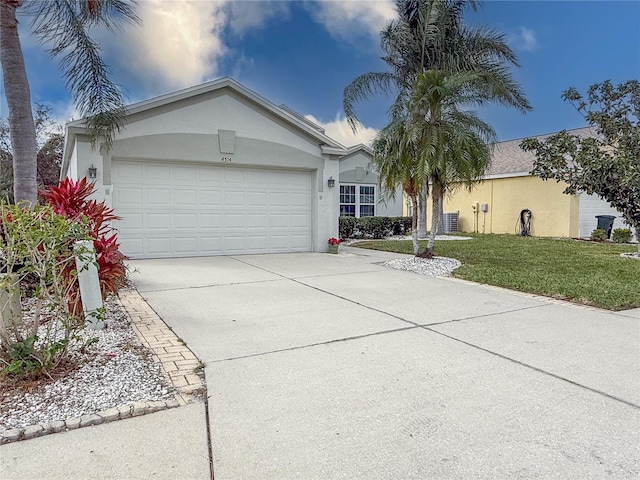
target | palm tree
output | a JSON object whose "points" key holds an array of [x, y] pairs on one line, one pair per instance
{"points": [[65, 25], [394, 152], [453, 142], [430, 34]]}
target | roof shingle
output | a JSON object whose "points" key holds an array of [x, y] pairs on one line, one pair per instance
{"points": [[508, 158]]}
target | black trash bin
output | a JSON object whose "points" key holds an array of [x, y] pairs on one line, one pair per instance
{"points": [[605, 222]]}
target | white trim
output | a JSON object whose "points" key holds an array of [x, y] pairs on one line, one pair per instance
{"points": [[329, 150], [506, 175]]}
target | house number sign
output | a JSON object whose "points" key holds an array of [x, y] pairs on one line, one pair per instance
{"points": [[226, 159]]}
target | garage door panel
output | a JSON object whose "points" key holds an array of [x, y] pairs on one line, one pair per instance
{"points": [[190, 209], [276, 221], [210, 175], [233, 244], [157, 172], [187, 221], [280, 242], [299, 201], [234, 198], [231, 220], [185, 245], [210, 220], [256, 199], [278, 199], [257, 243], [158, 196], [257, 221], [158, 220], [130, 221], [211, 245], [157, 246], [130, 196], [301, 221], [234, 175], [210, 197], [298, 242], [184, 196], [129, 171], [132, 246], [187, 174]]}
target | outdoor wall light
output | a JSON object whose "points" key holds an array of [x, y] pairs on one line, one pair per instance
{"points": [[92, 172], [331, 182]]}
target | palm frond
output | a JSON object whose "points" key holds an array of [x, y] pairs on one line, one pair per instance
{"points": [[363, 87], [65, 25]]}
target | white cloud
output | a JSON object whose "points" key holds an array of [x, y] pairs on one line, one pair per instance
{"points": [[340, 131], [525, 39], [350, 19], [179, 43], [244, 16], [182, 42]]}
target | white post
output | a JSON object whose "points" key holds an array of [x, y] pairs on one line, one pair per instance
{"points": [[10, 306], [87, 267]]}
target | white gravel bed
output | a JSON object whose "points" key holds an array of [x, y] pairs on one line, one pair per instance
{"points": [[116, 370], [435, 267]]}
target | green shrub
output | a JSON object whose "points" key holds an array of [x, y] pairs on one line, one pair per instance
{"points": [[374, 227], [598, 235], [400, 225], [346, 227], [37, 246], [621, 235]]}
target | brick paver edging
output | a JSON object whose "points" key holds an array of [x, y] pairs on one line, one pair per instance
{"points": [[178, 365], [177, 360]]}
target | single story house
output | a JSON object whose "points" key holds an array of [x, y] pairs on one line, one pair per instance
{"points": [[360, 194], [495, 204], [215, 169]]}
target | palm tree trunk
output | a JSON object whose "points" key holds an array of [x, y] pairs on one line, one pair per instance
{"points": [[441, 218], [422, 212], [414, 224], [16, 87], [436, 198]]}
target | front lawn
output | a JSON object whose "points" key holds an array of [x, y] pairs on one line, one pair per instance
{"points": [[583, 272]]}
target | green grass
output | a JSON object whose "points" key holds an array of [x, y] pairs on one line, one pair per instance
{"points": [[589, 273]]}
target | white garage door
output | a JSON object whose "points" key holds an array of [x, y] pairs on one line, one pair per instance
{"points": [[590, 206], [177, 210]]}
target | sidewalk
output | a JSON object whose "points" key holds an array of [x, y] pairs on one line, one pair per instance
{"points": [[167, 445]]}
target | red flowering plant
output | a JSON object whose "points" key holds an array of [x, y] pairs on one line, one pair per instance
{"points": [[71, 199], [333, 241]]}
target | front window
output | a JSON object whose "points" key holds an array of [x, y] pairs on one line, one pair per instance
{"points": [[357, 200], [347, 200], [367, 201]]}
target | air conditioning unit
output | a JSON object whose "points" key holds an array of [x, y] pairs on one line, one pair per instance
{"points": [[451, 222]]}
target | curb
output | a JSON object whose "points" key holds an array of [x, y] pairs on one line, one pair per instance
{"points": [[177, 360]]}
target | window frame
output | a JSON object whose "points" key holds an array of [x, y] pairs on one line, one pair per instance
{"points": [[359, 196]]}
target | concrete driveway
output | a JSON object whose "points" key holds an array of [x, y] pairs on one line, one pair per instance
{"points": [[332, 366]]}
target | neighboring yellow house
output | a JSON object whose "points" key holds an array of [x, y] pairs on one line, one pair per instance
{"points": [[508, 189]]}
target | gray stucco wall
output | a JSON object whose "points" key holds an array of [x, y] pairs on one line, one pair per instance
{"points": [[356, 169]]}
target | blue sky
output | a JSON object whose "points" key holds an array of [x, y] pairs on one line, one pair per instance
{"points": [[303, 54]]}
